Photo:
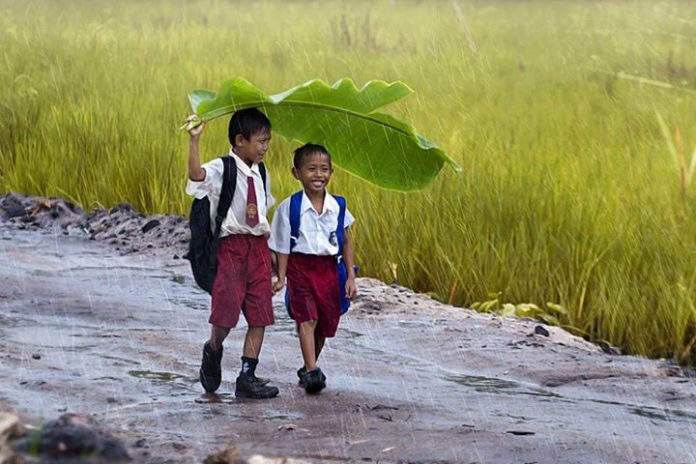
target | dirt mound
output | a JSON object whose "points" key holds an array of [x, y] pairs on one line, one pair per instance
{"points": [[121, 226]]}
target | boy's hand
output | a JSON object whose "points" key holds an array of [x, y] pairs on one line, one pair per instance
{"points": [[351, 288], [278, 285], [195, 132]]}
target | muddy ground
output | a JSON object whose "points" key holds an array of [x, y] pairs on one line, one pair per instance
{"points": [[94, 321]]}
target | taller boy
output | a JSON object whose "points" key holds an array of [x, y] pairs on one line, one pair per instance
{"points": [[243, 281]]}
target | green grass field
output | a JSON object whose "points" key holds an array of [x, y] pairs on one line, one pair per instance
{"points": [[575, 123]]}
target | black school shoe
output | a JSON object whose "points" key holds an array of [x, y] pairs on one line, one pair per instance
{"points": [[314, 381], [210, 373], [261, 380], [249, 386], [300, 375]]}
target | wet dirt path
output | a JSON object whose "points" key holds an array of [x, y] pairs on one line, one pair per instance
{"points": [[84, 329]]}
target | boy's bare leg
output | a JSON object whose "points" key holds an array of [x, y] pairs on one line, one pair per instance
{"points": [[247, 384], [217, 336], [306, 332], [318, 343], [253, 341], [210, 373]]}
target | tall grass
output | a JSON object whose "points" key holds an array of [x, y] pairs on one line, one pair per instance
{"points": [[572, 193]]}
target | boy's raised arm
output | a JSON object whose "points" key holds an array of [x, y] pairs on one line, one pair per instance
{"points": [[195, 171]]}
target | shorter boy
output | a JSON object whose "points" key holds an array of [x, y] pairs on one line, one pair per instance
{"points": [[310, 264]]}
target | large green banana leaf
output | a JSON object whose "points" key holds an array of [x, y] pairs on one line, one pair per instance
{"points": [[373, 146]]}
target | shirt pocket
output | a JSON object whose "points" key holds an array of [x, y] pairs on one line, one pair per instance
{"points": [[327, 225]]}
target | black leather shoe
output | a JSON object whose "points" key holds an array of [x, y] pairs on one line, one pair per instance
{"points": [[300, 374], [210, 373], [260, 380], [248, 386], [314, 381]]}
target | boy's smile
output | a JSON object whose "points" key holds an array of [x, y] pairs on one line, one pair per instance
{"points": [[314, 173], [253, 150]]}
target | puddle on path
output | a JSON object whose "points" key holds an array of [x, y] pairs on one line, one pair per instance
{"points": [[667, 415], [684, 414], [229, 398], [482, 384], [670, 415], [121, 359], [416, 324], [159, 377], [542, 393], [7, 322], [492, 385], [43, 273], [109, 378], [215, 398], [643, 412]]}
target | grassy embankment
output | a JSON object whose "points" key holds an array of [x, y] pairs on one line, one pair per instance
{"points": [[570, 192]]}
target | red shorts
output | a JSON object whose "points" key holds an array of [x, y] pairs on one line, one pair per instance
{"points": [[243, 282], [313, 291]]}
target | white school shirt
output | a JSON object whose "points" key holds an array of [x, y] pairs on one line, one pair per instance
{"points": [[317, 234], [235, 221]]}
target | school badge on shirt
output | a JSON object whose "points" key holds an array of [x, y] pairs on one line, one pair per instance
{"points": [[332, 239]]}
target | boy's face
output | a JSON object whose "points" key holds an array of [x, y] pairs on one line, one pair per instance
{"points": [[314, 173], [252, 150]]}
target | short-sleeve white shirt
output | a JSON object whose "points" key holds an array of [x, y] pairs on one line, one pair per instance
{"points": [[211, 186], [317, 234]]}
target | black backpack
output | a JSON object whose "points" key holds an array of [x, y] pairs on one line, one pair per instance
{"points": [[203, 245]]}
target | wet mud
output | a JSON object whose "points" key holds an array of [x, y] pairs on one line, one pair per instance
{"points": [[117, 335]]}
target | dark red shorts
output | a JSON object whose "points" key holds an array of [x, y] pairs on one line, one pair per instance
{"points": [[313, 291], [243, 282]]}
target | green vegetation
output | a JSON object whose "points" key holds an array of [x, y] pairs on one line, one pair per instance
{"points": [[368, 144], [574, 122]]}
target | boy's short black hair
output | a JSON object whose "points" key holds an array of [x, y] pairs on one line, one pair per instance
{"points": [[247, 122], [306, 150]]}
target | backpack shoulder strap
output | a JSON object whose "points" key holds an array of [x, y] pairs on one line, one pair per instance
{"points": [[295, 212], [341, 222], [229, 184], [262, 171]]}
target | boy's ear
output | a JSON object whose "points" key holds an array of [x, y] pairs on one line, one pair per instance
{"points": [[239, 140], [294, 173]]}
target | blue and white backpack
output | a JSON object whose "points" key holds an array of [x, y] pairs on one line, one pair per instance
{"points": [[295, 213]]}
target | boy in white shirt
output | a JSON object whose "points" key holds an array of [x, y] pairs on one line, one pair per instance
{"points": [[243, 280], [310, 263]]}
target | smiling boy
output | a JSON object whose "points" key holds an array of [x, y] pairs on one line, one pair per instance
{"points": [[243, 279], [309, 261]]}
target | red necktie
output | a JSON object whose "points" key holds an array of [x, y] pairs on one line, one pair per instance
{"points": [[252, 212]]}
